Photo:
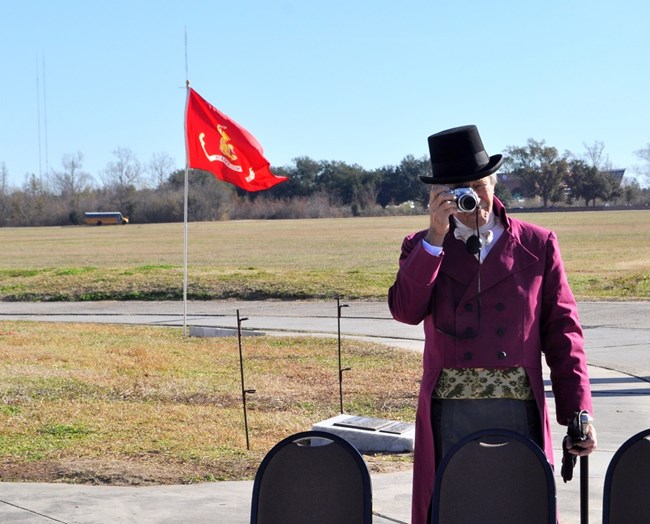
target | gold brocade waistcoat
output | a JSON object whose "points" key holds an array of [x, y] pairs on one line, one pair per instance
{"points": [[481, 383]]}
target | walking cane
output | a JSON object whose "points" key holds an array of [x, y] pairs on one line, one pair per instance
{"points": [[584, 490], [584, 471], [577, 432]]}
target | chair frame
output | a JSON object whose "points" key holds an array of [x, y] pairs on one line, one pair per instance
{"points": [[609, 475], [335, 439], [550, 480]]}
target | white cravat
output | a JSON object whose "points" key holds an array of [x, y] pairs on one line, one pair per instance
{"points": [[489, 233]]}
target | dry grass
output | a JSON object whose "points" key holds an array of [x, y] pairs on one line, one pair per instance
{"points": [[607, 255], [136, 405], [243, 259]]}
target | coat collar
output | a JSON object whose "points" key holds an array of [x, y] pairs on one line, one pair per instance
{"points": [[507, 257]]}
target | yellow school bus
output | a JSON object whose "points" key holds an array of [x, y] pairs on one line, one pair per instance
{"points": [[103, 218]]}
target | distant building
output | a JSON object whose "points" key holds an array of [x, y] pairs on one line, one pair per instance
{"points": [[616, 174]]}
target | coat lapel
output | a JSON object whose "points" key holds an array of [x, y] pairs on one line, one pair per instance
{"points": [[464, 266], [506, 258]]}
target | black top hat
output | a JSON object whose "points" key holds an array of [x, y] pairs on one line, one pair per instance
{"points": [[458, 155]]}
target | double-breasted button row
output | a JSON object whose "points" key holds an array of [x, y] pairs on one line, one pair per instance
{"points": [[501, 331], [469, 307], [501, 355]]}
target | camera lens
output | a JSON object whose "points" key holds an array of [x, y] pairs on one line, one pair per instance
{"points": [[467, 203], [466, 199]]}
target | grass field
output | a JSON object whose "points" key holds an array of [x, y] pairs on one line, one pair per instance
{"points": [[607, 256], [140, 405]]}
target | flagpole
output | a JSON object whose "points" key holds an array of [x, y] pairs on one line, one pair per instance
{"points": [[185, 234], [185, 193]]}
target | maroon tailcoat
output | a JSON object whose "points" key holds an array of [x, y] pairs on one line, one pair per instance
{"points": [[526, 310]]}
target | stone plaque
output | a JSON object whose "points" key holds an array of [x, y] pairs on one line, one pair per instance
{"points": [[397, 428], [365, 423]]}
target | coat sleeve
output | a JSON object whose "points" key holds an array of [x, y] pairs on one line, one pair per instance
{"points": [[409, 298], [562, 339]]}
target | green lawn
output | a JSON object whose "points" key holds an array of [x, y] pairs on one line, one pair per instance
{"points": [[607, 255]]}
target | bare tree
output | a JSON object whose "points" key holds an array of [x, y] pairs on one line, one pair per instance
{"points": [[4, 194], [32, 201], [595, 156], [160, 167], [121, 178], [644, 171], [125, 171], [4, 179], [644, 154], [72, 180]]}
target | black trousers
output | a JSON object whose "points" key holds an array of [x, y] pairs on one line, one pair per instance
{"points": [[453, 419]]}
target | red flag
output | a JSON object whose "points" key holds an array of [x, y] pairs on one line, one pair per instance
{"points": [[218, 144]]}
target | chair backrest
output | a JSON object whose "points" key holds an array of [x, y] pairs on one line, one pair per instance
{"points": [[494, 476], [626, 495], [312, 477]]}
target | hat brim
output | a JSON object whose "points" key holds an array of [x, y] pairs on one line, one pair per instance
{"points": [[492, 166]]}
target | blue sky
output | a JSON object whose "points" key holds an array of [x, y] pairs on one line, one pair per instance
{"points": [[361, 81]]}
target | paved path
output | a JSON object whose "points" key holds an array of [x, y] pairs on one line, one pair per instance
{"points": [[616, 333], [617, 339]]}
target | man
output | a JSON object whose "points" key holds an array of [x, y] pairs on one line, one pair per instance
{"points": [[493, 296]]}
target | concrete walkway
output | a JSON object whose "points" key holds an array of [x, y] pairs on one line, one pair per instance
{"points": [[617, 340]]}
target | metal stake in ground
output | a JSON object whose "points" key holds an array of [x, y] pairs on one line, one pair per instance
{"points": [[244, 391], [341, 369]]}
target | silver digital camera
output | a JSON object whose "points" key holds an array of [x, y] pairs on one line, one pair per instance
{"points": [[466, 199]]}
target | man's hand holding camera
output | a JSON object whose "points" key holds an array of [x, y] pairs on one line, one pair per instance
{"points": [[442, 204]]}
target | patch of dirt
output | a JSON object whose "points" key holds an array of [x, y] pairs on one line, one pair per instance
{"points": [[146, 473], [98, 472], [388, 463]]}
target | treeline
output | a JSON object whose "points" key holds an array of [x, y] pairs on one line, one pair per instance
{"points": [[536, 173]]}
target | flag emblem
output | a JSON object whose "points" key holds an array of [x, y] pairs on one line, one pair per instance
{"points": [[217, 144]]}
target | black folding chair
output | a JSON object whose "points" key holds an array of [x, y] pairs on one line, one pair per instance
{"points": [[494, 476], [626, 495], [312, 477]]}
